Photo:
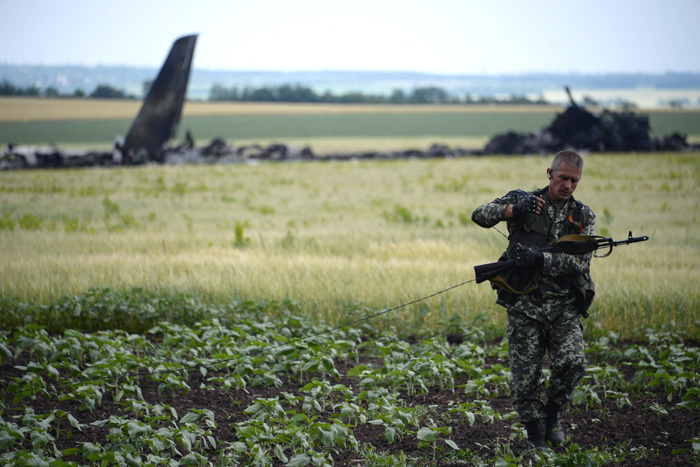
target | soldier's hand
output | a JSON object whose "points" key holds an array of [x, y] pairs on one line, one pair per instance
{"points": [[527, 205], [528, 257]]}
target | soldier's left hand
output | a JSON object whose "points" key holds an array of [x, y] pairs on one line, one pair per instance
{"points": [[528, 257]]}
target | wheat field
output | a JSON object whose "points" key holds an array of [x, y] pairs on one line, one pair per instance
{"points": [[22, 109], [338, 236]]}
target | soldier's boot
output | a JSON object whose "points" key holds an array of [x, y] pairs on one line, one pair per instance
{"points": [[535, 436], [552, 425]]}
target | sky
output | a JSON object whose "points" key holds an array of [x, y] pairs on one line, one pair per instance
{"points": [[427, 36]]}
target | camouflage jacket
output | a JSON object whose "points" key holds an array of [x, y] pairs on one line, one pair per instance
{"points": [[563, 275]]}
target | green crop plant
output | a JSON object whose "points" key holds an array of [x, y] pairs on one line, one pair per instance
{"points": [[389, 387]]}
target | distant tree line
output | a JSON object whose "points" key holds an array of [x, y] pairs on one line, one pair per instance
{"points": [[102, 91], [284, 93], [8, 89], [298, 93]]}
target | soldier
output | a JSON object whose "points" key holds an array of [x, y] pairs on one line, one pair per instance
{"points": [[554, 291]]}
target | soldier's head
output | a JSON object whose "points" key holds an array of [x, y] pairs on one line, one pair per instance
{"points": [[564, 174]]}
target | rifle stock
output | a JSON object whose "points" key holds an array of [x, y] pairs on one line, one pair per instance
{"points": [[488, 271]]}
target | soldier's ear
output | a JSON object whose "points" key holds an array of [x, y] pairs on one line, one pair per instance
{"points": [[549, 174]]}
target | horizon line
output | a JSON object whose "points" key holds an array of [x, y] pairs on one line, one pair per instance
{"points": [[367, 71]]}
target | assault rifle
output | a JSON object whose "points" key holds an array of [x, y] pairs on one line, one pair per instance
{"points": [[570, 244]]}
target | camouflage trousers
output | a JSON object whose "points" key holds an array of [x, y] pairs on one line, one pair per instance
{"points": [[529, 340]]}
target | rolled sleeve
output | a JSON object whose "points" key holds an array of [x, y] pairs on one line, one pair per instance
{"points": [[489, 214]]}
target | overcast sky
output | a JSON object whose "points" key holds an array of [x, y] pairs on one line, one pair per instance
{"points": [[431, 36]]}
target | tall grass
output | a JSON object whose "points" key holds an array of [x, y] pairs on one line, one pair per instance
{"points": [[338, 236]]}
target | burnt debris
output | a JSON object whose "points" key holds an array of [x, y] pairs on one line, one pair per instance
{"points": [[578, 128], [575, 128]]}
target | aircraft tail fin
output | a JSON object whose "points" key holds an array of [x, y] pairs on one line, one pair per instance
{"points": [[158, 118]]}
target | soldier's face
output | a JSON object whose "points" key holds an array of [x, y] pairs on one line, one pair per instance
{"points": [[563, 182]]}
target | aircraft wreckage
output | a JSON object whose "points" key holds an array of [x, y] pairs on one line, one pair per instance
{"points": [[150, 132], [148, 140]]}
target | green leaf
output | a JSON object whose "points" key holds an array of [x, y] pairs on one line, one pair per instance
{"points": [[300, 460], [285, 350], [53, 372], [327, 437], [390, 433], [300, 417], [471, 387], [189, 417], [427, 434], [398, 422], [39, 440], [246, 431], [133, 460], [579, 397], [189, 459], [6, 440], [452, 444], [253, 408], [35, 367], [239, 446], [90, 449], [158, 445], [74, 422], [471, 418], [688, 404], [188, 439], [136, 429], [279, 452], [369, 381]]}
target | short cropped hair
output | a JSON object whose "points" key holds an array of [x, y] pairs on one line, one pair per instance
{"points": [[570, 158]]}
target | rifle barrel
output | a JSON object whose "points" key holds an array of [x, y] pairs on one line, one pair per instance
{"points": [[631, 239]]}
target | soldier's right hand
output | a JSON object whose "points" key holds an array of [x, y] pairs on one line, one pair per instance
{"points": [[527, 205]]}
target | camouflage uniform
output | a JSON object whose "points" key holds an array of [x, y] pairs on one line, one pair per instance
{"points": [[547, 319]]}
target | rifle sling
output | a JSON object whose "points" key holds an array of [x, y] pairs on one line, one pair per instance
{"points": [[501, 283]]}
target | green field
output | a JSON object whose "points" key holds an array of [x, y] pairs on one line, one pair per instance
{"points": [[324, 127], [309, 127], [283, 127], [337, 236]]}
